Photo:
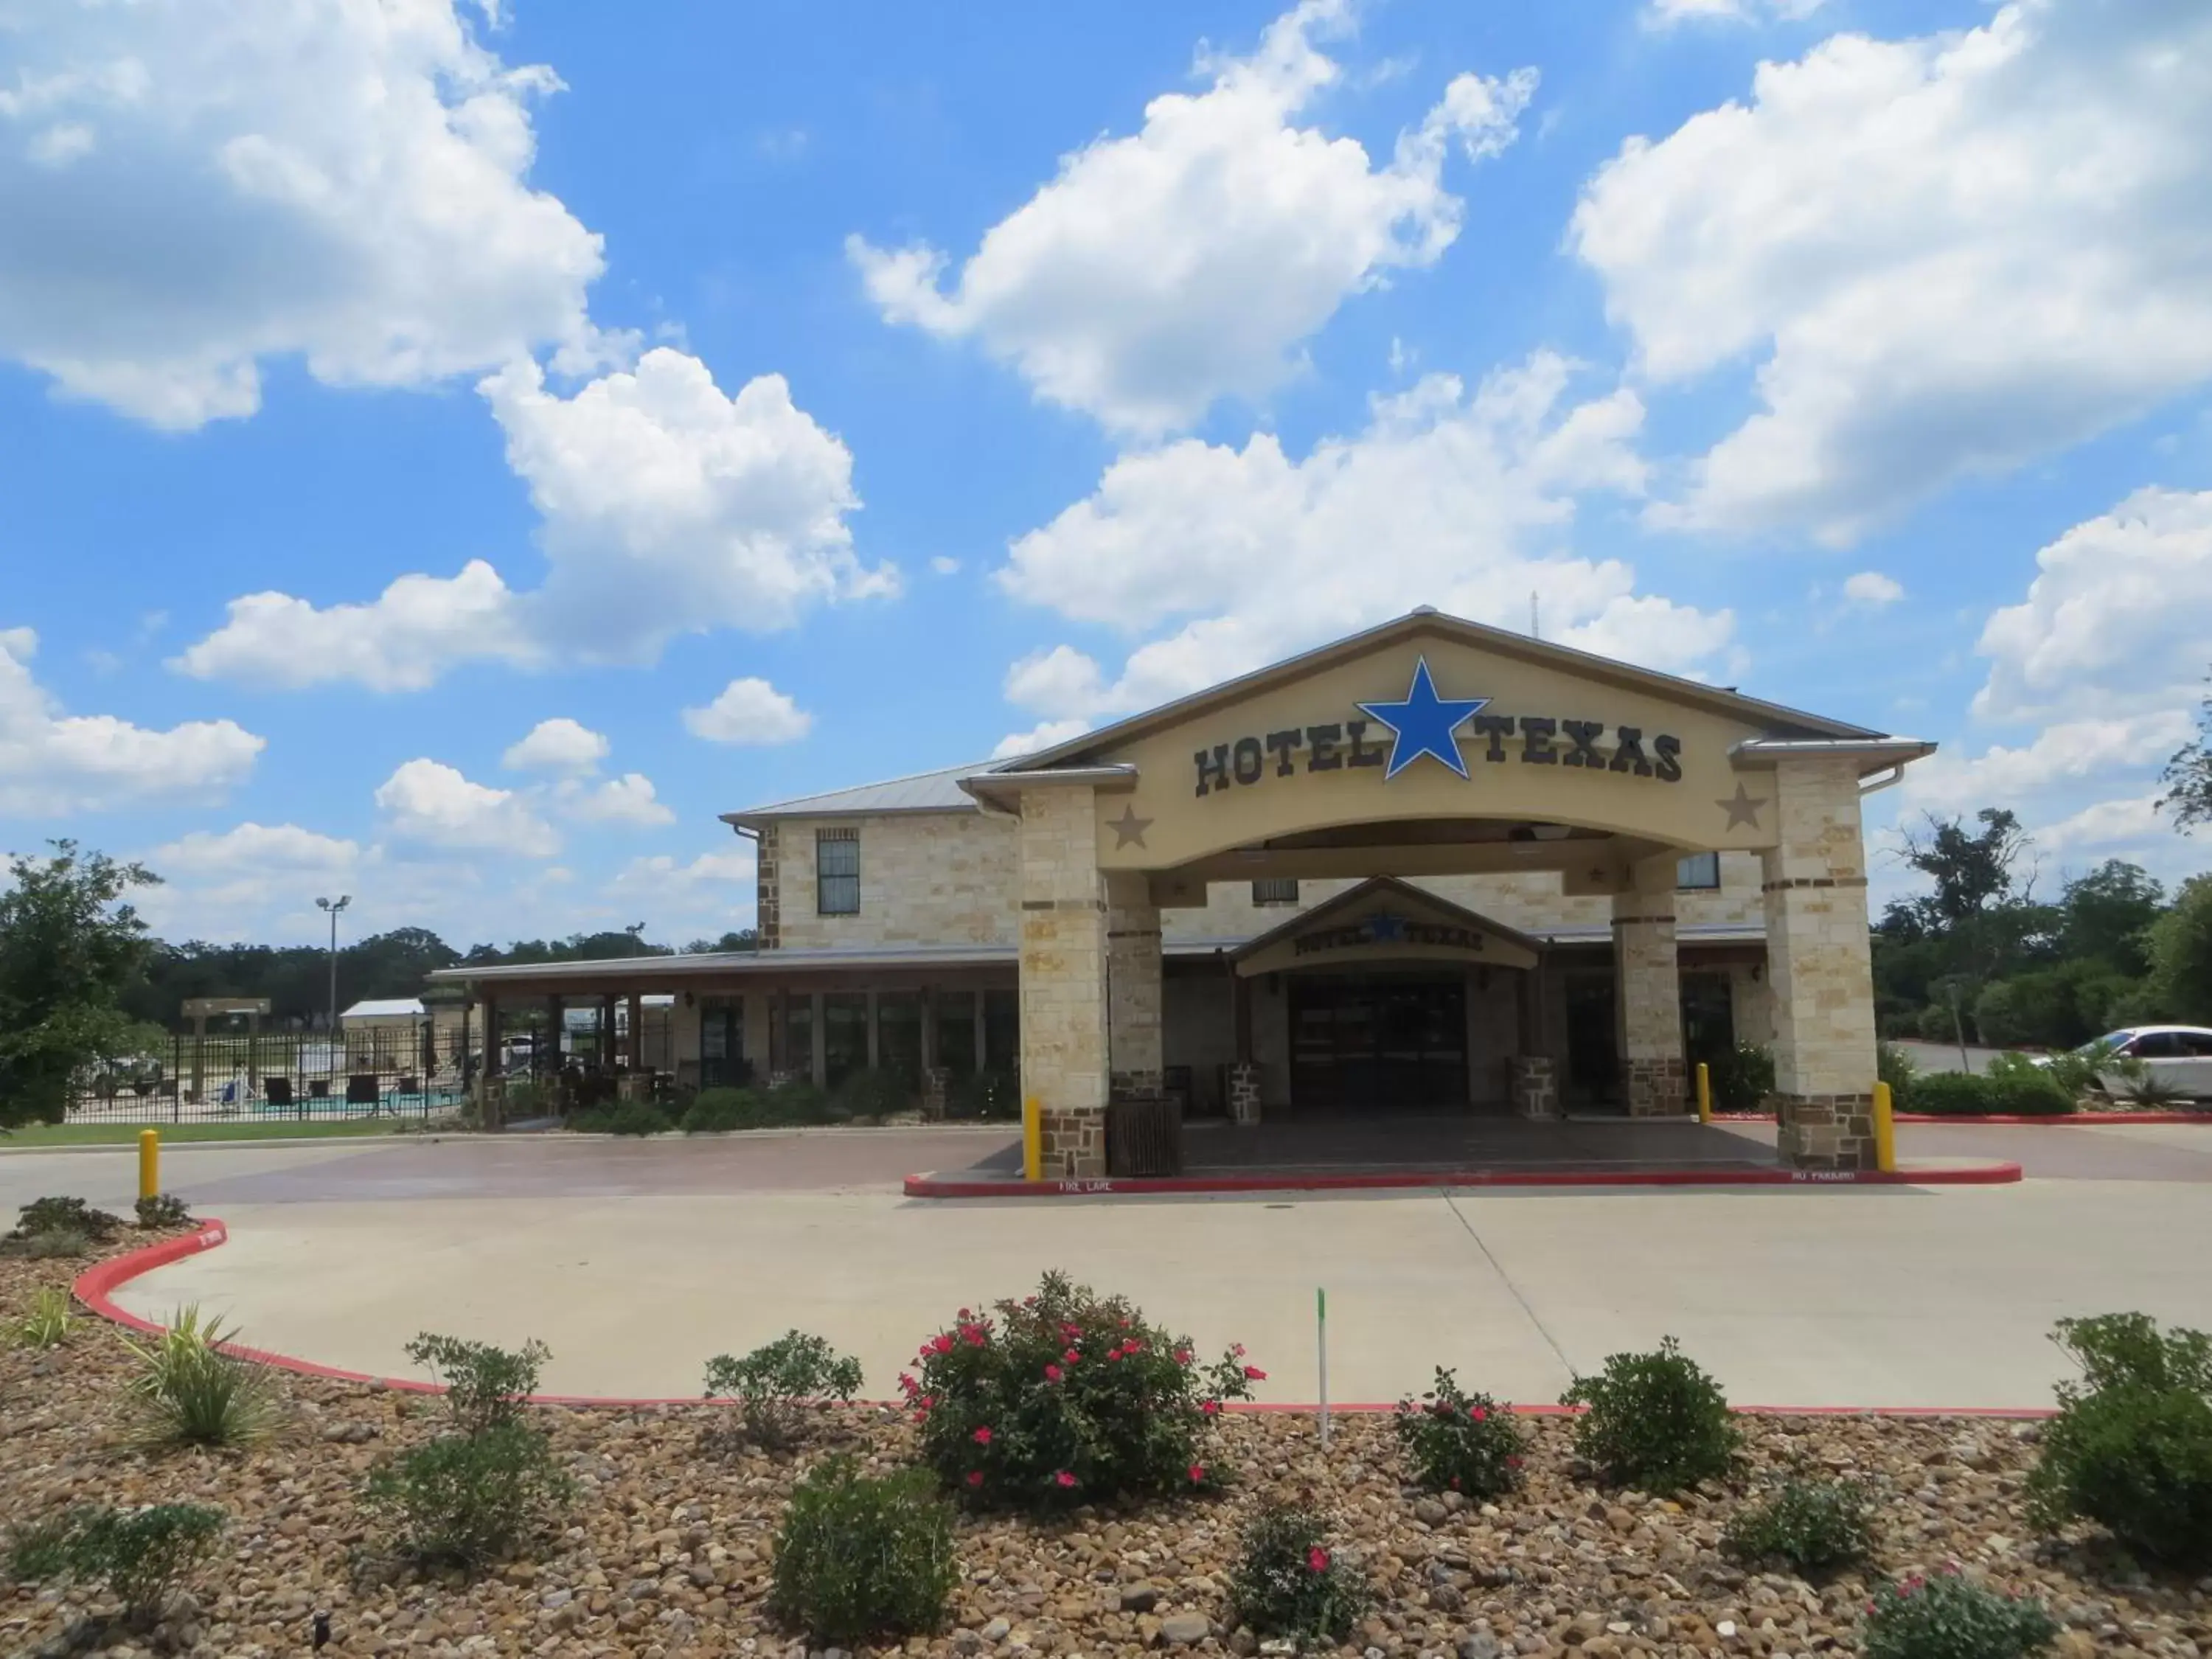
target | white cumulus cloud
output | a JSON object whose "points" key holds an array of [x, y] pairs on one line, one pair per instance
{"points": [[666, 507], [194, 186], [1945, 255], [53, 763], [427, 801], [1186, 262], [1451, 498], [748, 711], [1872, 587], [1664, 14], [628, 799], [559, 744]]}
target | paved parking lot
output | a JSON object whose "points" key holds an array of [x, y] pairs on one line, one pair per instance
{"points": [[638, 1261]]}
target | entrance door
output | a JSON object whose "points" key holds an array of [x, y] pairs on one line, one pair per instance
{"points": [[1593, 1048], [1377, 1044]]}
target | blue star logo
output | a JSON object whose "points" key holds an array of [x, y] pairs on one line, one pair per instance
{"points": [[1384, 928], [1424, 723]]}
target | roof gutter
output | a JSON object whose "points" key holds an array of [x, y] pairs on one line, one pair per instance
{"points": [[989, 788], [1885, 753]]}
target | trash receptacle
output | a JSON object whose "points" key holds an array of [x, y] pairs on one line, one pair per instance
{"points": [[1144, 1136]]}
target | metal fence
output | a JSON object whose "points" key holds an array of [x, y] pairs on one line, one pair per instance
{"points": [[400, 1071]]}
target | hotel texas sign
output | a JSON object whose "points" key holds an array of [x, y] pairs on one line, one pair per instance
{"points": [[1392, 736]]}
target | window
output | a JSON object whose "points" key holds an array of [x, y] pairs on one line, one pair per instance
{"points": [[844, 1036], [1699, 870], [837, 872], [2156, 1045], [1275, 890]]}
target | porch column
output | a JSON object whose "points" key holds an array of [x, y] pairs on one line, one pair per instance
{"points": [[1648, 994], [817, 1059], [1821, 984], [1133, 982], [637, 1030], [1063, 976], [490, 1076]]}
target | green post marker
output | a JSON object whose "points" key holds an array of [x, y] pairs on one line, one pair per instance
{"points": [[1321, 1331]]}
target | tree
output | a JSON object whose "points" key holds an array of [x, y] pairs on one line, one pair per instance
{"points": [[745, 938], [2188, 776], [2181, 953], [1971, 872], [70, 943], [2107, 914]]}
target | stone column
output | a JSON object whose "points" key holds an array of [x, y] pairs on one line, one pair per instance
{"points": [[1065, 1062], [817, 1059], [1133, 986], [1647, 992], [1821, 979]]}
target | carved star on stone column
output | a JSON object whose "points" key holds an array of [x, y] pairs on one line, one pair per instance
{"points": [[1128, 829], [1742, 809]]}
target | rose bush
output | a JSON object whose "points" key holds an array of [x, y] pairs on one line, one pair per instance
{"points": [[1460, 1442], [1068, 1397]]}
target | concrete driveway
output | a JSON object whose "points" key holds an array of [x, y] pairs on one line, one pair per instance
{"points": [[636, 1262]]}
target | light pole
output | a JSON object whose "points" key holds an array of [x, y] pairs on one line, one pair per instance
{"points": [[333, 906]]}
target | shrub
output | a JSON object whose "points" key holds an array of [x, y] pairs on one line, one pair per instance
{"points": [[1893, 1066], [66, 1215], [1950, 1617], [1742, 1077], [859, 1559], [1460, 1442], [627, 1117], [47, 1323], [872, 1093], [1808, 1523], [190, 1392], [163, 1210], [714, 1111], [779, 1386], [467, 1500], [2132, 1447], [1068, 1397], [1656, 1421], [1287, 1581], [141, 1557], [55, 1244], [990, 1097], [486, 1387], [2004, 1092]]}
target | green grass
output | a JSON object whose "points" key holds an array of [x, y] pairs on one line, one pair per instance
{"points": [[126, 1135]]}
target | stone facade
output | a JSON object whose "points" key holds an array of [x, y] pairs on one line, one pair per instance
{"points": [[1648, 999], [1820, 969], [1134, 996], [925, 878], [1065, 1063], [1535, 1086], [768, 886]]}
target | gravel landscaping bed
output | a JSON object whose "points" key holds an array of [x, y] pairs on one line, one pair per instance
{"points": [[667, 1550]]}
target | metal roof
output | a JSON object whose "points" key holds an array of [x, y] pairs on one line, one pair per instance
{"points": [[920, 792], [383, 1008]]}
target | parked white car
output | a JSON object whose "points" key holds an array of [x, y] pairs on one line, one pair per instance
{"points": [[2177, 1056]]}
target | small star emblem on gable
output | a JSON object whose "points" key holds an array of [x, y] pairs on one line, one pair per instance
{"points": [[1742, 809], [1128, 829]]}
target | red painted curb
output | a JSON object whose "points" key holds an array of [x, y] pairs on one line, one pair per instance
{"points": [[92, 1288], [2091, 1120], [1976, 1175]]}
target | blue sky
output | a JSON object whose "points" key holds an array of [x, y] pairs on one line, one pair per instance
{"points": [[772, 404]]}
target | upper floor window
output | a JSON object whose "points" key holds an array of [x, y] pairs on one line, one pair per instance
{"points": [[1275, 890], [837, 872], [1699, 870]]}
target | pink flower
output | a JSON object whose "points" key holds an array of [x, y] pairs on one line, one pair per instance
{"points": [[1455, 1483], [1255, 1374], [941, 1343], [1071, 1331], [1317, 1559], [966, 1313], [1478, 1413], [1211, 1407], [975, 1477], [1133, 1345], [1063, 1478], [1112, 1353], [972, 1336], [1182, 1356], [1052, 1373], [1237, 1349], [1070, 1357], [1197, 1473], [981, 1437], [907, 1385], [1513, 1460]]}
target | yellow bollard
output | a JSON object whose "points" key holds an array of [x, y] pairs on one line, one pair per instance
{"points": [[1032, 1140], [1705, 1093], [149, 1163], [1885, 1130]]}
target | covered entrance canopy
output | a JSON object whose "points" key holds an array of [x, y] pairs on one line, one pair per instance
{"points": [[1432, 747]]}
